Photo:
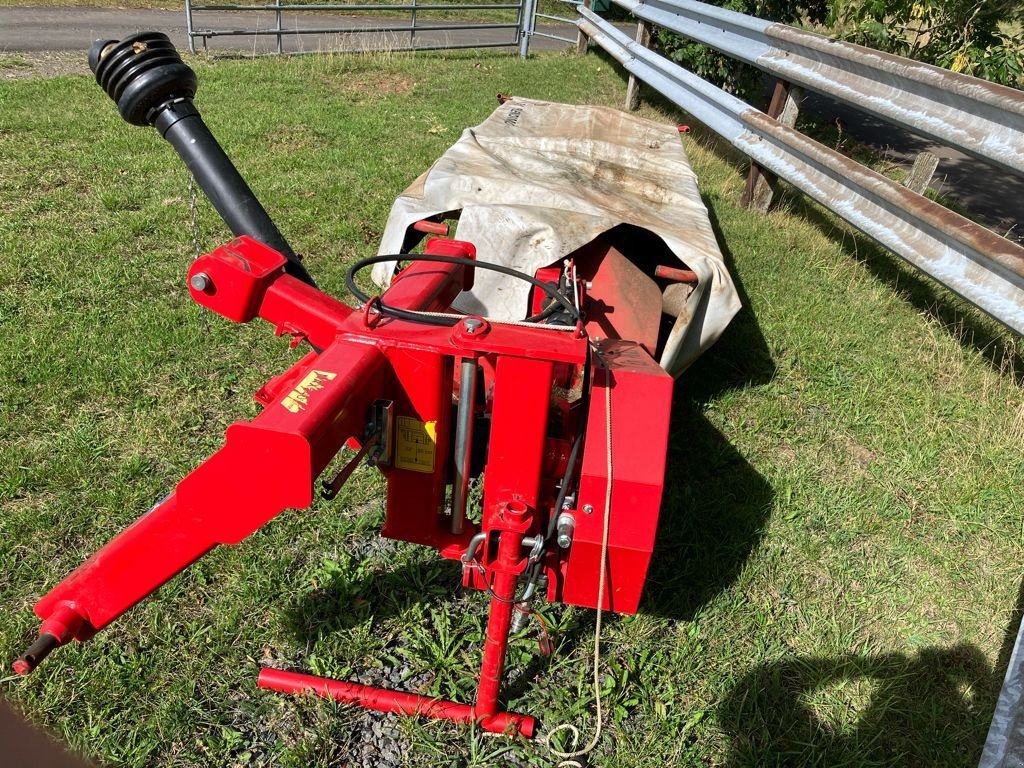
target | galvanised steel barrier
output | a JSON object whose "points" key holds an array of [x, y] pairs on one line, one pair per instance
{"points": [[980, 118], [397, 33], [982, 267]]}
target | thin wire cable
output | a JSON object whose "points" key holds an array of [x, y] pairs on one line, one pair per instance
{"points": [[566, 758]]}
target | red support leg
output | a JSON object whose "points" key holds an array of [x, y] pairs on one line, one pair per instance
{"points": [[513, 521]]}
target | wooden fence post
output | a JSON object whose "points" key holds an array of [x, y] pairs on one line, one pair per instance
{"points": [[581, 40], [643, 36], [921, 174], [784, 107]]}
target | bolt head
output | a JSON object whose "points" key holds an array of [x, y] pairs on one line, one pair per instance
{"points": [[200, 281], [564, 540], [588, 508], [472, 324]]}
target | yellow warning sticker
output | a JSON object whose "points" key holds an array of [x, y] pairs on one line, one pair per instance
{"points": [[298, 398], [416, 444]]}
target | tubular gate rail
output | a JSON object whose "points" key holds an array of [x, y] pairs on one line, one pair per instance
{"points": [[278, 31], [978, 117], [533, 13]]}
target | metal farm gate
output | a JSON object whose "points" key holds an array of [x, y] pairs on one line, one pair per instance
{"points": [[291, 27]]}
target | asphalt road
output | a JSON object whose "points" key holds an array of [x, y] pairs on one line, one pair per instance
{"points": [[994, 195]]}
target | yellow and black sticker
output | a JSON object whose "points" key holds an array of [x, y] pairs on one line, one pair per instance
{"points": [[416, 444], [298, 398]]}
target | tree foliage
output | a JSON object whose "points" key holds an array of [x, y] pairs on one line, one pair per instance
{"points": [[984, 38]]}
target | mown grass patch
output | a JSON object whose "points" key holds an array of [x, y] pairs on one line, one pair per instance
{"points": [[840, 552]]}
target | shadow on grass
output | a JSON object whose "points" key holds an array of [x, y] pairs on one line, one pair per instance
{"points": [[361, 590], [893, 709], [971, 329], [716, 504]]}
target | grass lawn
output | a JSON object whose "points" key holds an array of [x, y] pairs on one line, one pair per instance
{"points": [[837, 572]]}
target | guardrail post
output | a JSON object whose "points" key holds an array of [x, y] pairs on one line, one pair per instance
{"points": [[643, 36], [784, 107], [581, 39]]}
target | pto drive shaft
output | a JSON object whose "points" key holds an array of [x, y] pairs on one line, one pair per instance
{"points": [[151, 85]]}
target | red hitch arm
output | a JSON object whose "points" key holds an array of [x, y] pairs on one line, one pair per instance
{"points": [[266, 466]]}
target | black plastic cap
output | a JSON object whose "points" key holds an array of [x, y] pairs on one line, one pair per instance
{"points": [[96, 52], [141, 73]]}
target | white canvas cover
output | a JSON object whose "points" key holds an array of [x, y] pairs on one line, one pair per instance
{"points": [[538, 180]]}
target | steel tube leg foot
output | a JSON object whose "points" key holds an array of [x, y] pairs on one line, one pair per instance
{"points": [[395, 702]]}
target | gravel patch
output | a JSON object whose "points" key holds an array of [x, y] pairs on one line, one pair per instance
{"points": [[22, 66]]}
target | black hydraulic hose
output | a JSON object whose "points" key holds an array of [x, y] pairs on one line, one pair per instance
{"points": [[151, 85], [574, 452], [419, 317]]}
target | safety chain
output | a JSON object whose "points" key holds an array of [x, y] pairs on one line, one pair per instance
{"points": [[193, 210]]}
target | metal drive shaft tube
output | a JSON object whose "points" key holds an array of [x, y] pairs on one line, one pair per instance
{"points": [[463, 443], [151, 85]]}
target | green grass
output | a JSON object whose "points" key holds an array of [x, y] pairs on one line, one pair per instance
{"points": [[841, 540]]}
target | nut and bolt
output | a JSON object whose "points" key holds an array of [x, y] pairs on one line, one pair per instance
{"points": [[200, 281], [566, 526]]}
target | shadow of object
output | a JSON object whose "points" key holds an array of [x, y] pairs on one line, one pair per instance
{"points": [[891, 710], [353, 590], [715, 505], [971, 328]]}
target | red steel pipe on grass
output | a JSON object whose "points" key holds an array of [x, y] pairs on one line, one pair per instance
{"points": [[395, 702]]}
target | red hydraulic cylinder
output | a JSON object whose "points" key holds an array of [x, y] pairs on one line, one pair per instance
{"points": [[396, 702], [676, 274]]}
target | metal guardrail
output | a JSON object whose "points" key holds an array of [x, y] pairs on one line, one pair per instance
{"points": [[980, 266], [415, 25], [980, 118]]}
